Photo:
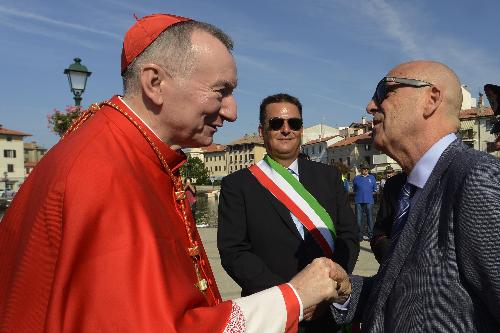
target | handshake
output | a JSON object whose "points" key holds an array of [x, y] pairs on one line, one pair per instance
{"points": [[319, 284]]}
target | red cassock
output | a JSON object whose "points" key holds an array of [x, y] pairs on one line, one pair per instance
{"points": [[95, 241]]}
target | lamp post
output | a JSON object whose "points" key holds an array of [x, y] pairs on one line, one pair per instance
{"points": [[77, 78]]}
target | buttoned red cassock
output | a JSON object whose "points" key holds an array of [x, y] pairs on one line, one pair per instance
{"points": [[95, 241]]}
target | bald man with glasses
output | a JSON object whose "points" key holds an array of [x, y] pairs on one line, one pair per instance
{"points": [[441, 272], [278, 215]]}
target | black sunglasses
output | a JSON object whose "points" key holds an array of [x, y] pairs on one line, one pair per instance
{"points": [[277, 123], [383, 88]]}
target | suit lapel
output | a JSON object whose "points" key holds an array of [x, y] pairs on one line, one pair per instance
{"points": [[309, 179], [419, 215]]}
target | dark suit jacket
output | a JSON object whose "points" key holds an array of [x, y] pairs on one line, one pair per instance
{"points": [[258, 242], [382, 229], [444, 272]]}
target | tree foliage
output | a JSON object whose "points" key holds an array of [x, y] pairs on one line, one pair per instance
{"points": [[59, 122], [195, 169]]}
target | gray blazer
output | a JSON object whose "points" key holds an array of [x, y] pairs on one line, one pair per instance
{"points": [[444, 273]]}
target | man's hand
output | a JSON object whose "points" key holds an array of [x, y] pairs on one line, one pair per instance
{"points": [[343, 288], [313, 283]]}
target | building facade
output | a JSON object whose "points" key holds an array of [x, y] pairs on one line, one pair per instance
{"points": [[317, 150], [319, 131], [215, 161], [244, 152], [12, 170], [475, 127], [33, 152], [356, 150]]}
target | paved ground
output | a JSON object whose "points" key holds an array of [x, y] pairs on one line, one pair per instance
{"points": [[366, 265]]}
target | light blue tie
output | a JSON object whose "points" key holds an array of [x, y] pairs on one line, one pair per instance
{"points": [[298, 225], [402, 211]]}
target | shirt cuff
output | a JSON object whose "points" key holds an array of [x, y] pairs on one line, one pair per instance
{"points": [[341, 307], [301, 307]]}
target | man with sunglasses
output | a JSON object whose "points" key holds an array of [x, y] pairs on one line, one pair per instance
{"points": [[441, 272], [280, 214]]}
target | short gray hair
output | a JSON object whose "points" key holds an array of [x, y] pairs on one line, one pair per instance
{"points": [[171, 50]]}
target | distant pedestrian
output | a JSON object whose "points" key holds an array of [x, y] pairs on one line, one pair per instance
{"points": [[363, 187], [388, 173], [382, 230], [190, 190]]}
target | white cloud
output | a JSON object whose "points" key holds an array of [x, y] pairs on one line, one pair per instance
{"points": [[254, 63], [50, 34], [43, 19], [393, 24], [336, 101]]}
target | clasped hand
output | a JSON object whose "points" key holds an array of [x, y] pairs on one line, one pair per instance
{"points": [[321, 281]]}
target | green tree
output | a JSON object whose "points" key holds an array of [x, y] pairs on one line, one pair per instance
{"points": [[195, 168]]}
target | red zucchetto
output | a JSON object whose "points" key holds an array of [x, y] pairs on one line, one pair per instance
{"points": [[143, 33]]}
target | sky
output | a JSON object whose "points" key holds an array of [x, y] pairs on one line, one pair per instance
{"points": [[328, 53]]}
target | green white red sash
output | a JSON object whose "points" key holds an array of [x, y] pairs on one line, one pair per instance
{"points": [[289, 191]]}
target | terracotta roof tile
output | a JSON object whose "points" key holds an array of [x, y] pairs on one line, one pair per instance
{"points": [[320, 140], [248, 139], [214, 147], [472, 113], [6, 131], [362, 138]]}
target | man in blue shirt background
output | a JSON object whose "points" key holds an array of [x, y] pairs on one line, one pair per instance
{"points": [[363, 187]]}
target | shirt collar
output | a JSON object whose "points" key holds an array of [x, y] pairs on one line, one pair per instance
{"points": [[423, 169], [294, 167]]}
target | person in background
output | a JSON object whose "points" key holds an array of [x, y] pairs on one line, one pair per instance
{"points": [[385, 217], [128, 257], [190, 190], [363, 186], [388, 173], [344, 170]]}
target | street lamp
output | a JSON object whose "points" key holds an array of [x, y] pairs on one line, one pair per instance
{"points": [[77, 78]]}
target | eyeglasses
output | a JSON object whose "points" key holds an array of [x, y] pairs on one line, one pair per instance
{"points": [[277, 123], [383, 88]]}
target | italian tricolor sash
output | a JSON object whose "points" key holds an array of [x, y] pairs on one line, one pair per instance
{"points": [[289, 191]]}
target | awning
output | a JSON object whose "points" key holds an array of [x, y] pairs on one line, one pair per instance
{"points": [[466, 125]]}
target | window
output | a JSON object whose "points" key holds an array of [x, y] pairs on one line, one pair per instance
{"points": [[367, 160], [9, 153], [251, 157], [10, 167], [367, 147], [9, 138], [241, 158], [206, 159], [225, 168], [340, 160], [349, 161], [231, 160], [320, 149]]}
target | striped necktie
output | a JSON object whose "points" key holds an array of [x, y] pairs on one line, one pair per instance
{"points": [[402, 210]]}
